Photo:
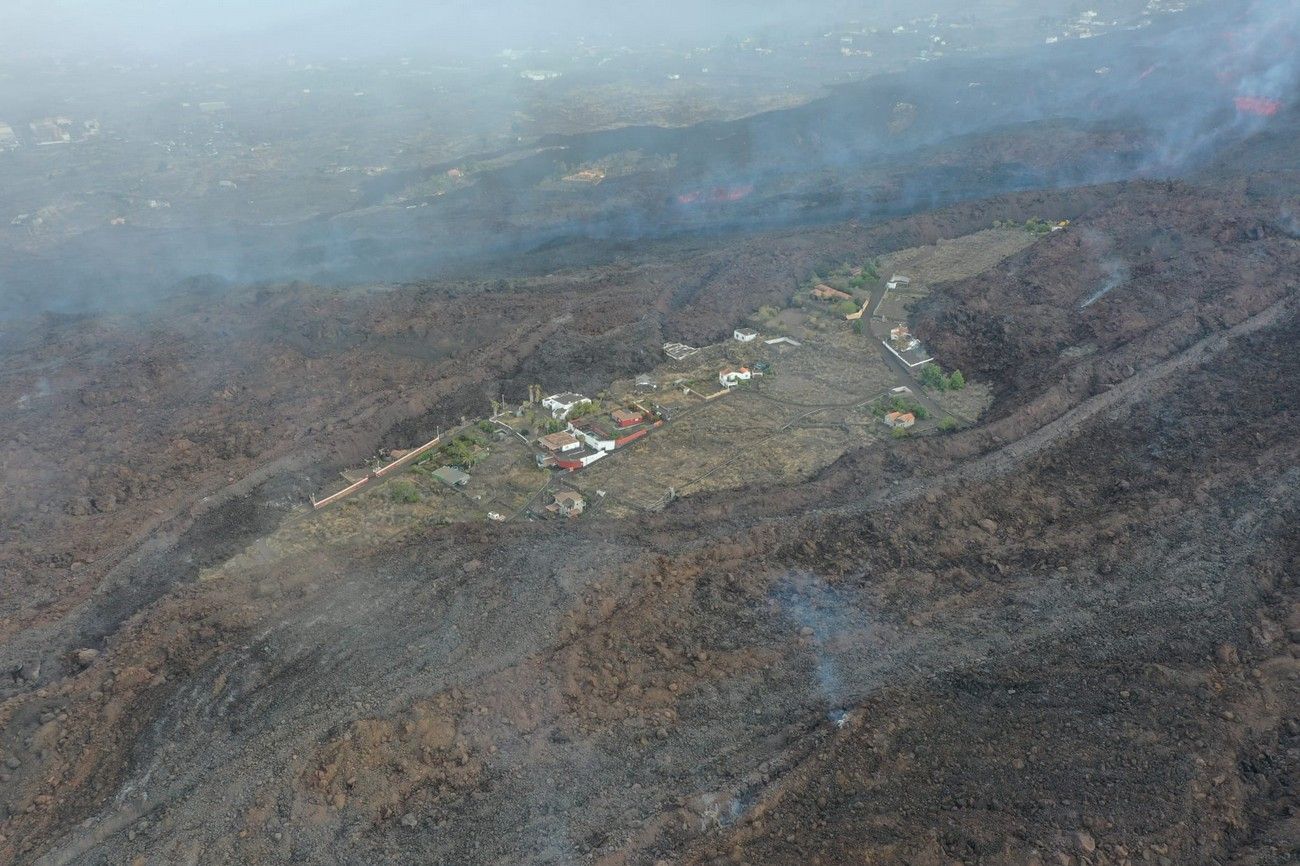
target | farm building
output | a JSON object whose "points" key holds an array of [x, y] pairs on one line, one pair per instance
{"points": [[451, 476], [573, 461], [624, 418], [900, 419]]}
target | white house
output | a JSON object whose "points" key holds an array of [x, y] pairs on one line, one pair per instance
{"points": [[729, 377], [562, 404], [744, 335], [593, 439]]}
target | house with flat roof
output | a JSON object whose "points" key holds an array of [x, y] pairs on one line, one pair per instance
{"points": [[744, 335], [562, 404], [451, 476]]}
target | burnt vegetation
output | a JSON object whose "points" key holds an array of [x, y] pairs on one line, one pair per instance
{"points": [[1066, 632]]}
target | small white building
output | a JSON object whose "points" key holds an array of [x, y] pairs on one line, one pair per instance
{"points": [[745, 335], [562, 404], [594, 439], [729, 377]]}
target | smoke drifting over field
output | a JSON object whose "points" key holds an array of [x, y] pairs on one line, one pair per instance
{"points": [[243, 28], [1154, 102]]}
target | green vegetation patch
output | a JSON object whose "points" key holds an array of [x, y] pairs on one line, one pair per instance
{"points": [[932, 376]]}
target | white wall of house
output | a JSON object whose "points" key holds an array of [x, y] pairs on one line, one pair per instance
{"points": [[592, 440]]}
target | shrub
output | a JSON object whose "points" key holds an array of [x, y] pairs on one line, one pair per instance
{"points": [[845, 308], [902, 404], [898, 432], [949, 424], [403, 491], [857, 326], [956, 381]]}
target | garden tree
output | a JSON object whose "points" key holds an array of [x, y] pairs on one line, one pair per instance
{"points": [[956, 381], [857, 326], [949, 424], [460, 451], [932, 377], [845, 308]]}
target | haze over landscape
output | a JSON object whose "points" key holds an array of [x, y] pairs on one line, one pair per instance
{"points": [[560, 433]]}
